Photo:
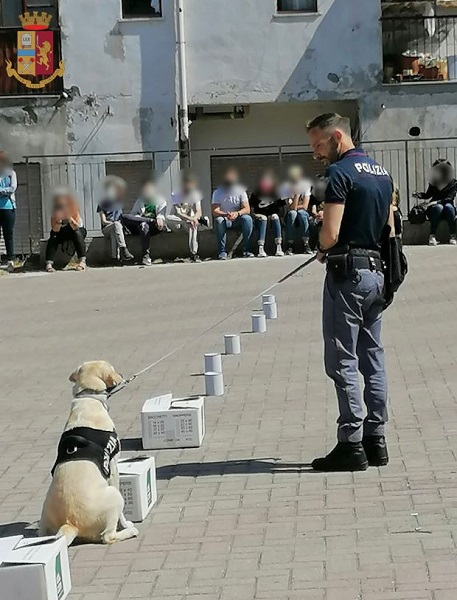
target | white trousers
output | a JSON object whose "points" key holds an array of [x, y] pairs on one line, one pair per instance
{"points": [[175, 224]]}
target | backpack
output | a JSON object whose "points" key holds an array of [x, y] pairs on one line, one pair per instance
{"points": [[418, 214]]}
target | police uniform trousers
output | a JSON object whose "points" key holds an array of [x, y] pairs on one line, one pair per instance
{"points": [[352, 312]]}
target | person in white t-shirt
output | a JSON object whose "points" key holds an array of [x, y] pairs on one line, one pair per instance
{"points": [[231, 208], [186, 212], [296, 191]]}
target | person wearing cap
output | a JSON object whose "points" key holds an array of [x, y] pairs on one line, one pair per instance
{"points": [[357, 211], [296, 191], [8, 186], [186, 212], [441, 192], [66, 227]]}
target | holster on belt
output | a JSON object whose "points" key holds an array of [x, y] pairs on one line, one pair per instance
{"points": [[345, 260]]}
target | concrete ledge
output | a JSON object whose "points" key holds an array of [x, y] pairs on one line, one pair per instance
{"points": [[165, 246], [169, 246]]}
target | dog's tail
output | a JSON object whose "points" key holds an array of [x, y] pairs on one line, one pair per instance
{"points": [[70, 532]]}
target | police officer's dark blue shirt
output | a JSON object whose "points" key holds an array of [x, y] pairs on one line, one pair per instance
{"points": [[365, 188]]}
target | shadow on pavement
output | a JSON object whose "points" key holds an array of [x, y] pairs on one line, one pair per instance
{"points": [[19, 528], [233, 467]]}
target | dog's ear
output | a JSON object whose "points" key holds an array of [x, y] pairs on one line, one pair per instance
{"points": [[74, 377]]}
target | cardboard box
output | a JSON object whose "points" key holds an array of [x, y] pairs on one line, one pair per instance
{"points": [[137, 484], [173, 423], [34, 569]]}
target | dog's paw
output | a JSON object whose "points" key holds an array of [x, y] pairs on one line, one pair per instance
{"points": [[134, 531], [129, 525]]}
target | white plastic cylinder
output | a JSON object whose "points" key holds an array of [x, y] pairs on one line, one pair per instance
{"points": [[232, 343], [270, 310], [268, 298], [259, 323], [214, 384], [213, 363]]}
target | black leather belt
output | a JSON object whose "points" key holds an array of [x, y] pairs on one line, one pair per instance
{"points": [[364, 262], [345, 262]]}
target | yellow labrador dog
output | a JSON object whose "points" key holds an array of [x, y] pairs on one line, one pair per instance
{"points": [[83, 500]]}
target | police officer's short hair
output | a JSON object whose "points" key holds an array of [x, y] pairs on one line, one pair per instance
{"points": [[330, 121]]}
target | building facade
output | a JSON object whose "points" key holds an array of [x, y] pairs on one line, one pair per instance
{"points": [[248, 73]]}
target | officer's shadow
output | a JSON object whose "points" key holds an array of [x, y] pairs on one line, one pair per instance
{"points": [[249, 466]]}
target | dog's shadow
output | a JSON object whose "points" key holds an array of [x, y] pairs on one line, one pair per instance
{"points": [[28, 530]]}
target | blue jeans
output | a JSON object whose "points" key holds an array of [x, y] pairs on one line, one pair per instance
{"points": [[437, 212], [352, 312], [261, 223], [243, 224], [303, 220]]}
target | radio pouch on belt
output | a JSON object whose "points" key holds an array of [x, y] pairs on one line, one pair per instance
{"points": [[338, 264]]}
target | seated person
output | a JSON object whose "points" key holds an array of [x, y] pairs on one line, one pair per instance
{"points": [[187, 212], [66, 227], [230, 205], [266, 205], [316, 210], [296, 192], [147, 217], [110, 209], [441, 192]]}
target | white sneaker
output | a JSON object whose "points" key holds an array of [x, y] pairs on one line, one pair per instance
{"points": [[248, 255], [147, 262], [261, 253], [10, 266], [279, 251], [453, 240], [432, 241]]}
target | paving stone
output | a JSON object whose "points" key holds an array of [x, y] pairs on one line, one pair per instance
{"points": [[241, 518]]}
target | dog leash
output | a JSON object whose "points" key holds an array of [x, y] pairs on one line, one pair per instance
{"points": [[292, 273]]}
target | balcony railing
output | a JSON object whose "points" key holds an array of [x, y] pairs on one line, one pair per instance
{"points": [[419, 48], [10, 86]]}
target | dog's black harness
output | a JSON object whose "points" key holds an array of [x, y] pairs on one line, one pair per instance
{"points": [[85, 443]]}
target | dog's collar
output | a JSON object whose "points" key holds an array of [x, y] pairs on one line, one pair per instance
{"points": [[95, 394]]}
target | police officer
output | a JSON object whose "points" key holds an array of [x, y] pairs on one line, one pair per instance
{"points": [[356, 210]]}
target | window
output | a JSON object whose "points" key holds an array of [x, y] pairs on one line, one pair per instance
{"points": [[297, 6], [137, 9], [11, 9]]}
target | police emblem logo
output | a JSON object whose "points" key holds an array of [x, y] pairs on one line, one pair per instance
{"points": [[35, 52]]}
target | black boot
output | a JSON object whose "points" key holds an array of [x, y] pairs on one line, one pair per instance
{"points": [[376, 450], [125, 254], [345, 456]]}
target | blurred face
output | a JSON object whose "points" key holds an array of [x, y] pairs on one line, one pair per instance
{"points": [[148, 191], [325, 144], [3, 165], [61, 203], [189, 185], [266, 184], [231, 177]]}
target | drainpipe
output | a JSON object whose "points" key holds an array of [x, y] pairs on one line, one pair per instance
{"points": [[183, 107]]}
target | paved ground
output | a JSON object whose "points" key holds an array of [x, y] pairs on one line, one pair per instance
{"points": [[242, 518]]}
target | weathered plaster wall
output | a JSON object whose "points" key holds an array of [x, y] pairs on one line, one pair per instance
{"points": [[252, 55], [122, 74]]}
